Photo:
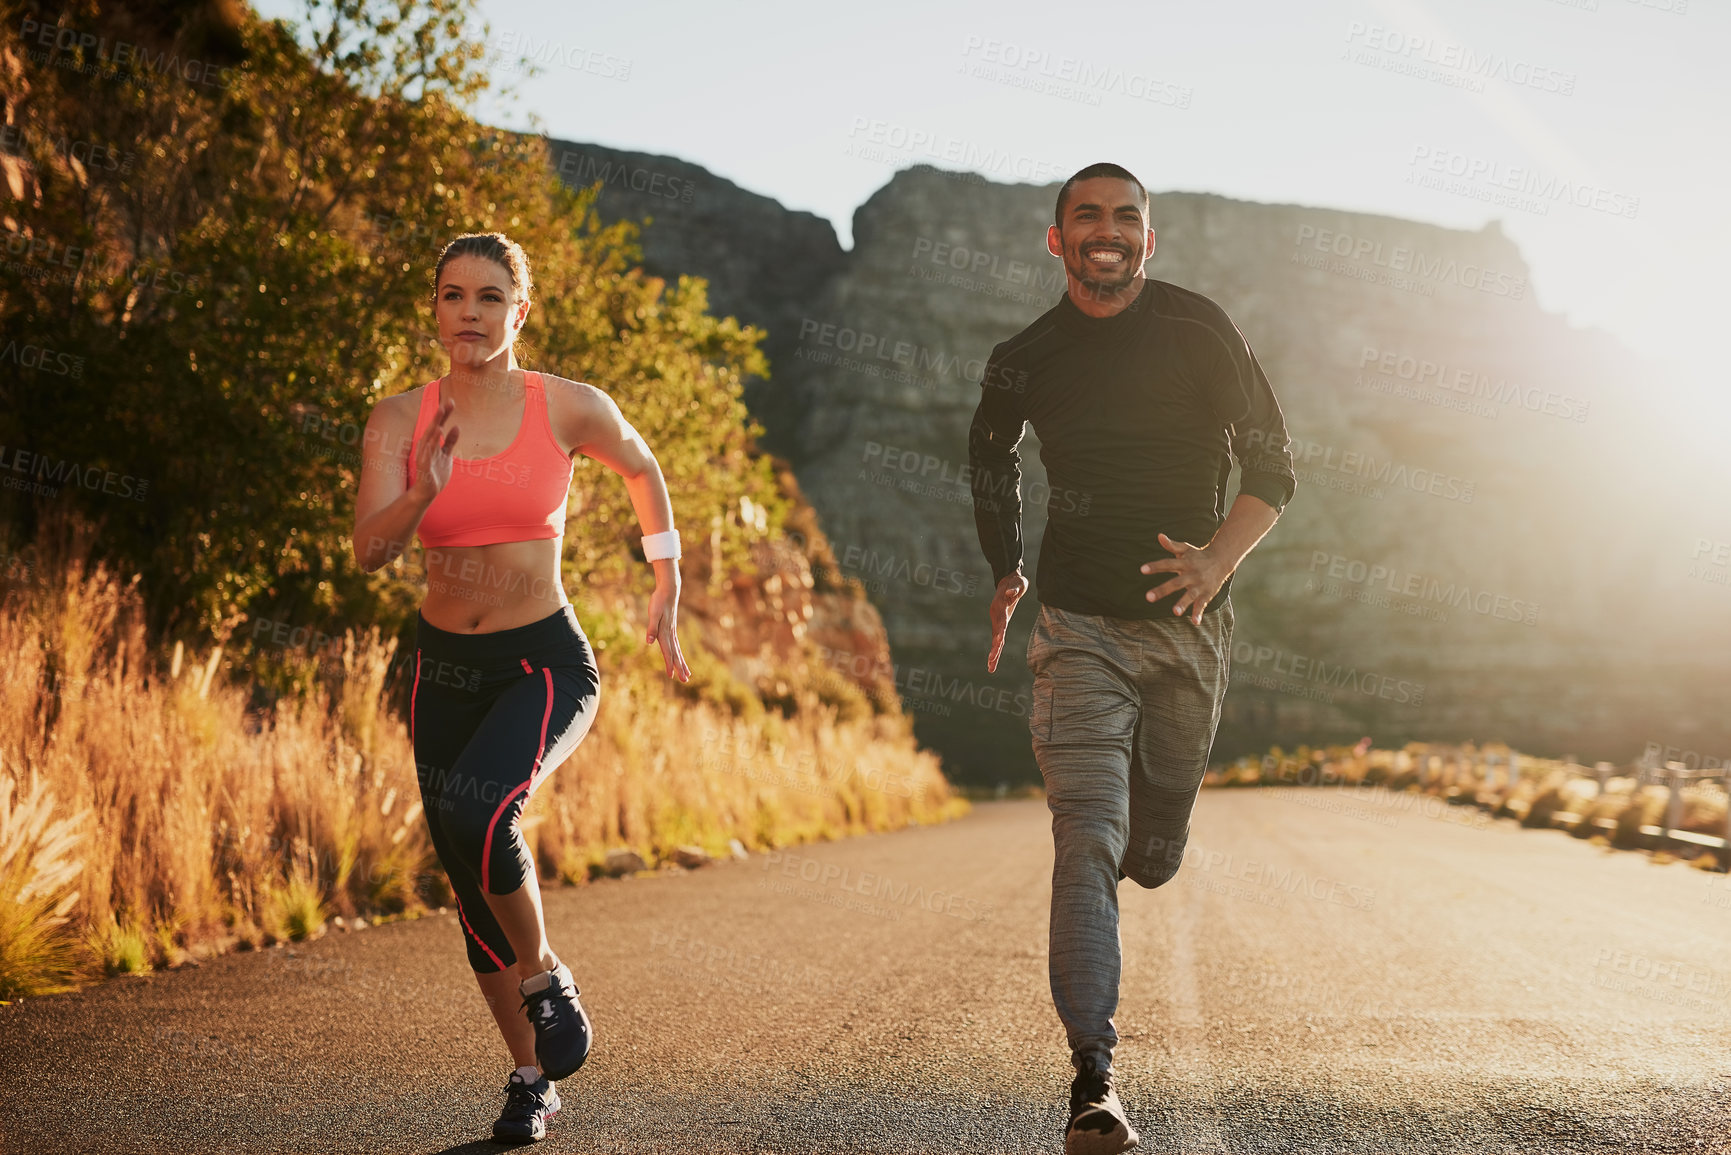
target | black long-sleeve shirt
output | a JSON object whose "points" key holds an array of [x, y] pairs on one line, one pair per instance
{"points": [[1139, 416]]}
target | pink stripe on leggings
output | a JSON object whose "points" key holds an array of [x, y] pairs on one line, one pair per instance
{"points": [[546, 716], [413, 690], [465, 921]]}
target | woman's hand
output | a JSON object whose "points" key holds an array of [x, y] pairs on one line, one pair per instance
{"points": [[433, 452], [663, 620]]}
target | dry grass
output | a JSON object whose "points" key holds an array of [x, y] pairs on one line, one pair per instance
{"points": [[145, 817], [38, 874]]}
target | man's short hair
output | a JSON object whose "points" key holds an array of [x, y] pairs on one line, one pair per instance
{"points": [[1103, 168]]}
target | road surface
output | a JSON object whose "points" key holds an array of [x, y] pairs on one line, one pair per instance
{"points": [[1329, 973]]}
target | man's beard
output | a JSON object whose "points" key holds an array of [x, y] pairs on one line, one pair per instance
{"points": [[1101, 283]]}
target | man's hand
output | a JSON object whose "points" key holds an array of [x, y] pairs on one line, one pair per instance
{"points": [[1010, 591], [1195, 571]]}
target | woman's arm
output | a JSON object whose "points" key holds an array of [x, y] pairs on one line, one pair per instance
{"points": [[388, 509], [600, 431]]}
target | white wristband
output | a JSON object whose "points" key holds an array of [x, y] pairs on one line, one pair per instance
{"points": [[658, 546]]}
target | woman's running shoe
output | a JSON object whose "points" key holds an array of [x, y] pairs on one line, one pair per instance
{"points": [[562, 1032], [528, 1106]]}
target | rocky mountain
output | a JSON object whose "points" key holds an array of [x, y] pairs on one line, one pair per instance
{"points": [[1492, 536]]}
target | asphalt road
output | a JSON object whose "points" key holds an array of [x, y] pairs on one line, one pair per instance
{"points": [[1327, 973]]}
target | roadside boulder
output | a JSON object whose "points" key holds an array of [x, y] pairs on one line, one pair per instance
{"points": [[623, 860]]}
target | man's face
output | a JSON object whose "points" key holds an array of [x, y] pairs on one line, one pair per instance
{"points": [[1105, 237], [476, 310]]}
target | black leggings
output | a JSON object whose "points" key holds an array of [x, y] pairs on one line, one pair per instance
{"points": [[491, 715]]}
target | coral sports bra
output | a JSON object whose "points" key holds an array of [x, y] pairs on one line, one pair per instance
{"points": [[516, 495]]}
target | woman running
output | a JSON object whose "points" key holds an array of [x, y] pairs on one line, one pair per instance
{"points": [[506, 684]]}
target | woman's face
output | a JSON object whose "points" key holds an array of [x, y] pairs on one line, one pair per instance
{"points": [[477, 310]]}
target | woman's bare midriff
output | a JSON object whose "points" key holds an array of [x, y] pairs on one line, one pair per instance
{"points": [[479, 589]]}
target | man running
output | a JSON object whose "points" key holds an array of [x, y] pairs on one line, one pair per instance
{"points": [[1141, 393]]}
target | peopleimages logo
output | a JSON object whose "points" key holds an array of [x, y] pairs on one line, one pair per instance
{"points": [[19, 141], [1312, 455], [1544, 189], [1286, 879], [1305, 669], [863, 347], [121, 57], [513, 47], [1066, 77], [41, 358], [1710, 560], [958, 482], [978, 262], [45, 258], [1425, 588], [893, 892], [46, 474], [759, 760], [1622, 971], [1404, 262], [582, 168], [924, 683], [885, 140], [443, 673], [878, 568], [1660, 754], [1454, 60], [1473, 383]]}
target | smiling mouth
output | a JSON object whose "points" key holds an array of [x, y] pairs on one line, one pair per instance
{"points": [[1102, 255]]}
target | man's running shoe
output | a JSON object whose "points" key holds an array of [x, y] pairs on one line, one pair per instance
{"points": [[528, 1106], [1097, 1122], [561, 1026]]}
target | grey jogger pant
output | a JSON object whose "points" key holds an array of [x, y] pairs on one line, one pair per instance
{"points": [[1122, 720]]}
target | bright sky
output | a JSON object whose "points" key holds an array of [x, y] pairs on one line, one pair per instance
{"points": [[1602, 120]]}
